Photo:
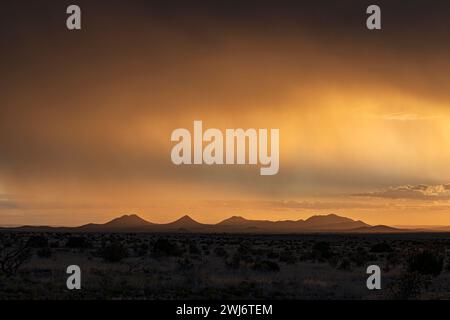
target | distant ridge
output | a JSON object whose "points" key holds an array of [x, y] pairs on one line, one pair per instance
{"points": [[330, 223], [125, 221], [379, 229]]}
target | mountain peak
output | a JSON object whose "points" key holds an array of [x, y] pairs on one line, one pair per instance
{"points": [[132, 216], [128, 216], [333, 221], [333, 218], [127, 220], [186, 218], [233, 220], [185, 221], [237, 218]]}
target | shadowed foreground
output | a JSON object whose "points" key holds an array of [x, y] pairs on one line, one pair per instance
{"points": [[222, 266]]}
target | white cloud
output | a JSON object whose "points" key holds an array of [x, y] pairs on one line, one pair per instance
{"points": [[419, 192]]}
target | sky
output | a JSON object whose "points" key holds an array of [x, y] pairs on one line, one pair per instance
{"points": [[86, 116]]}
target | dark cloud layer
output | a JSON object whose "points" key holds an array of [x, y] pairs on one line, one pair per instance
{"points": [[65, 97]]}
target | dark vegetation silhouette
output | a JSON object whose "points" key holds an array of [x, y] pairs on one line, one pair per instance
{"points": [[163, 247], [13, 257], [114, 252], [80, 242], [37, 241], [223, 266], [426, 262], [381, 247]]}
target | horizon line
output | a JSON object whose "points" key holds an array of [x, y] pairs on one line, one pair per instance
{"points": [[422, 226]]}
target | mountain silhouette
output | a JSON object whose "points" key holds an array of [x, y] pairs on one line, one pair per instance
{"points": [[234, 220], [326, 219], [185, 222], [131, 220], [330, 223], [380, 229], [125, 221], [333, 222]]}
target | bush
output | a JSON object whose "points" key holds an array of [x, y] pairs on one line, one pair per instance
{"points": [[233, 262], [287, 257], [163, 247], [37, 242], [44, 252], [360, 257], [393, 259], [185, 264], [12, 258], [381, 248], [345, 265], [322, 250], [266, 266], [114, 252], [141, 249], [220, 252], [272, 255], [426, 263], [408, 286], [78, 242], [193, 249], [244, 253], [54, 244]]}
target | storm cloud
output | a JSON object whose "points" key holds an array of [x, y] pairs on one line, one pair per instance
{"points": [[86, 117]]}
